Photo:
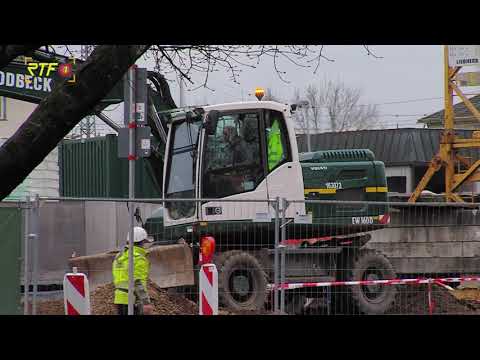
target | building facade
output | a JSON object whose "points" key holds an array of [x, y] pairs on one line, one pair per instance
{"points": [[44, 179], [406, 154]]}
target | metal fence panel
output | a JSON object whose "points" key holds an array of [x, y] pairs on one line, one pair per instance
{"points": [[244, 252], [10, 259], [398, 258], [393, 258]]}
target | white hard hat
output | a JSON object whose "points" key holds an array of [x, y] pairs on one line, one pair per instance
{"points": [[139, 234]]}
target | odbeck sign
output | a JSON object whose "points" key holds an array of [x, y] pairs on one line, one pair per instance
{"points": [[22, 81]]}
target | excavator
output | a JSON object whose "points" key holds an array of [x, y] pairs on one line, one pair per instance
{"points": [[234, 226]]}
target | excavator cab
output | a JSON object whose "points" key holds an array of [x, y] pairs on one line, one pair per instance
{"points": [[225, 153]]}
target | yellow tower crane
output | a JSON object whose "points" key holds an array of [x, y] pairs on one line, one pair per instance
{"points": [[450, 144]]}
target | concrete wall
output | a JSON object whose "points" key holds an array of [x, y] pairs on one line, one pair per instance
{"points": [[62, 233], [418, 243], [106, 224]]}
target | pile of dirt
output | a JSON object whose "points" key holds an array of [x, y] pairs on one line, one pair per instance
{"points": [[50, 307], [413, 300], [101, 302], [171, 304]]}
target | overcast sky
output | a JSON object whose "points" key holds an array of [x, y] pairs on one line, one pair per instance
{"points": [[411, 75]]}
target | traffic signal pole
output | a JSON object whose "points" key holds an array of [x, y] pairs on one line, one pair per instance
{"points": [[129, 116]]}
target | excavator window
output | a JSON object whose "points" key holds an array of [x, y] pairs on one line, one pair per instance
{"points": [[232, 161], [181, 168]]}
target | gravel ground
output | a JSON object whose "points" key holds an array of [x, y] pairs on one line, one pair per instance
{"points": [[411, 300], [414, 300]]}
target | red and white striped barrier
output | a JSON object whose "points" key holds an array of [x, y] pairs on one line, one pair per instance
{"points": [[290, 286], [208, 285], [76, 294]]}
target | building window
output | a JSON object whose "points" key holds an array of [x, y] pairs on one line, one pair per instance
{"points": [[3, 108], [397, 184]]}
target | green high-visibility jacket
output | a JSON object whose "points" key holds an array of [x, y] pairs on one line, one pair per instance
{"points": [[141, 268], [275, 147]]}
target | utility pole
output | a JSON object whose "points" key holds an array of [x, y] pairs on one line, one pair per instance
{"points": [[309, 142], [131, 123], [182, 91], [304, 105], [133, 143]]}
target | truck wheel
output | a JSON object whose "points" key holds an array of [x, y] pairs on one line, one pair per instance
{"points": [[369, 264], [242, 282]]}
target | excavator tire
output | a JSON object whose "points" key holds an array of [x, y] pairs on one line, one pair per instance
{"points": [[242, 281], [368, 264]]}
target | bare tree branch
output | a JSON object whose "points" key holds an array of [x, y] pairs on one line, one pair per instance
{"points": [[370, 53], [338, 106], [186, 60]]}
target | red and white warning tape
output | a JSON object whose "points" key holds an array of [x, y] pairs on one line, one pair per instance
{"points": [[290, 286]]}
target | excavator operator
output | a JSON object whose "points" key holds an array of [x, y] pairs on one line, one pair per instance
{"points": [[275, 147]]}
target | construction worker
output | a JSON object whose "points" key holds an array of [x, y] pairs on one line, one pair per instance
{"points": [[140, 270], [275, 147]]}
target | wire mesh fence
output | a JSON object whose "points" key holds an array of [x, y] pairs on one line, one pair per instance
{"points": [[382, 258], [245, 241], [276, 256], [89, 233]]}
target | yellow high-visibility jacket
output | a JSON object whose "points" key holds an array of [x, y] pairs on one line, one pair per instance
{"points": [[275, 147], [120, 272]]}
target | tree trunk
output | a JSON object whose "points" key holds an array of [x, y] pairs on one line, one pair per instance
{"points": [[10, 52], [64, 108]]}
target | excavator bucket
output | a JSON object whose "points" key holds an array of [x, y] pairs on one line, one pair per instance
{"points": [[170, 266]]}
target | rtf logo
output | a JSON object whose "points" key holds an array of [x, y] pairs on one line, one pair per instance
{"points": [[45, 69]]}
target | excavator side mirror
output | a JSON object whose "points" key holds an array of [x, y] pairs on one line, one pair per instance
{"points": [[211, 122]]}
